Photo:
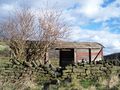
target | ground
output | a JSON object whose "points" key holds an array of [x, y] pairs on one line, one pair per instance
{"points": [[79, 77]]}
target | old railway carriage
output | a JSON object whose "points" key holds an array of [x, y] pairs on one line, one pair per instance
{"points": [[72, 52]]}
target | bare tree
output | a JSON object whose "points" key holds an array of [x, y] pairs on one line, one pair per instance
{"points": [[30, 37], [18, 28], [52, 28]]}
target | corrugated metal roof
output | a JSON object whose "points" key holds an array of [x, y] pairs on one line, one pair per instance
{"points": [[79, 45]]}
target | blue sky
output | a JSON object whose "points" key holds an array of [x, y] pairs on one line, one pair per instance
{"points": [[90, 20]]}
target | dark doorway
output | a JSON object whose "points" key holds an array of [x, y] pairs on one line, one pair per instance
{"points": [[66, 57]]}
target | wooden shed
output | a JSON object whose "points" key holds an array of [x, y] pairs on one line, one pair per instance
{"points": [[73, 52]]}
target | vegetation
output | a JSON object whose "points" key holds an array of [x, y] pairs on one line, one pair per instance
{"points": [[87, 77], [30, 37], [28, 68]]}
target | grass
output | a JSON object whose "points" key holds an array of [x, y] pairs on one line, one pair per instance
{"points": [[84, 82], [2, 43], [54, 62], [3, 61], [3, 46]]}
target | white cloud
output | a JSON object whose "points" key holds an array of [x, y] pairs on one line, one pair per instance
{"points": [[110, 41], [7, 7], [107, 13], [86, 11], [90, 7]]}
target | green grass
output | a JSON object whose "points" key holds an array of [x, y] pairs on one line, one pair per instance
{"points": [[3, 46], [4, 61], [86, 83], [2, 43], [54, 62]]}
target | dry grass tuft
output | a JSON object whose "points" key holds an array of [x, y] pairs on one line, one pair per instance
{"points": [[113, 81]]}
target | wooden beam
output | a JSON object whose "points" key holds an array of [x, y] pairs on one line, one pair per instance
{"points": [[75, 59], [89, 55], [59, 57], [46, 58], [98, 54]]}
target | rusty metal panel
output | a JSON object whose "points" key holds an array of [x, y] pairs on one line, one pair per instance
{"points": [[98, 53], [95, 50], [82, 54], [98, 58]]}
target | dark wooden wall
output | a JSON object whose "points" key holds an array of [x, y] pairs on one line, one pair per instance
{"points": [[66, 57]]}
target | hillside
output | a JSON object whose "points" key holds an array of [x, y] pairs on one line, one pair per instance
{"points": [[112, 56], [4, 49]]}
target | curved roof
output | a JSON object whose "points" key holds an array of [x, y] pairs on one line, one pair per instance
{"points": [[79, 45]]}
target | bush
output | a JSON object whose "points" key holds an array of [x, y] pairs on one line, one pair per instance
{"points": [[87, 82]]}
